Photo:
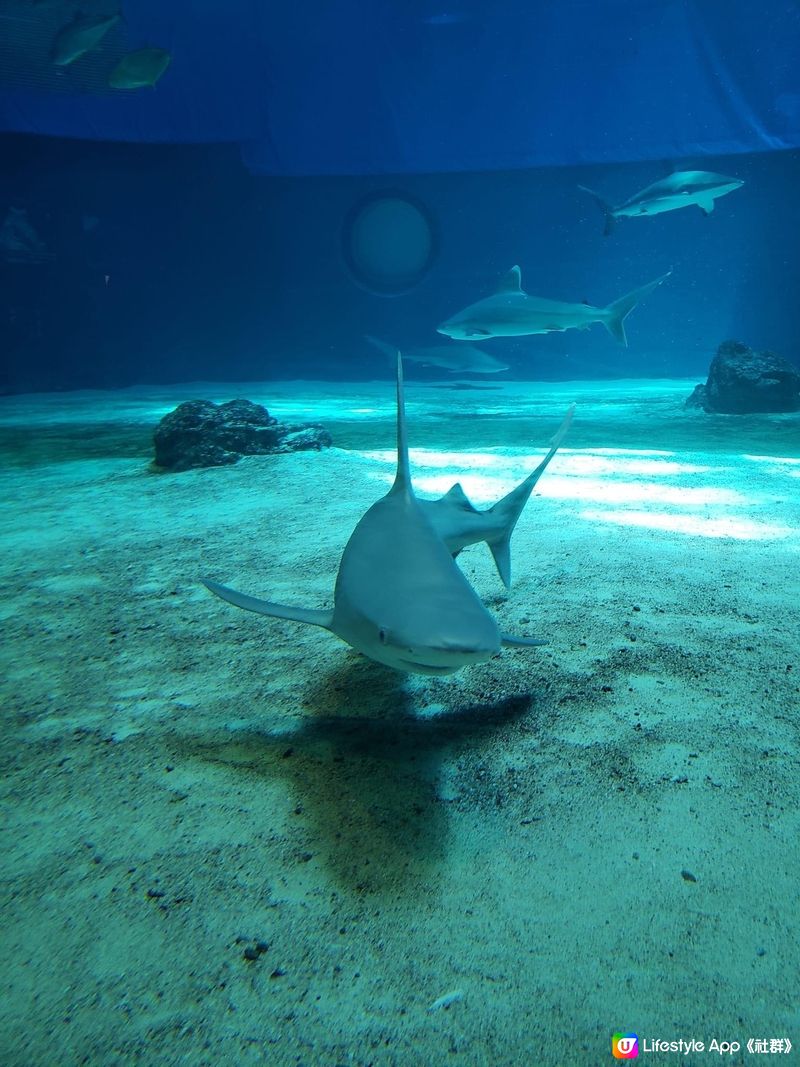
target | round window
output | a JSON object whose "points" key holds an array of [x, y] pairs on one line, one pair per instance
{"points": [[388, 242]]}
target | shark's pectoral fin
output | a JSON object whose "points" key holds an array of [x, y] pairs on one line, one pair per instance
{"points": [[706, 205], [510, 641], [265, 607]]}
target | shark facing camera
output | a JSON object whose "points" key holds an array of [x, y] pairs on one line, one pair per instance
{"points": [[400, 598]]}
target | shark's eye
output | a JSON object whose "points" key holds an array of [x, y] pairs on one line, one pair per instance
{"points": [[382, 636]]}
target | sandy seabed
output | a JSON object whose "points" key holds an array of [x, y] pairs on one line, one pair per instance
{"points": [[232, 840]]}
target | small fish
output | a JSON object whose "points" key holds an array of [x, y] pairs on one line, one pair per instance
{"points": [[19, 242], [139, 69], [684, 188], [80, 36]]}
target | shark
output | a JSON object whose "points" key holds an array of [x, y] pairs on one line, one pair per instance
{"points": [[459, 359], [80, 35], [460, 524], [683, 188], [399, 598], [511, 312]]}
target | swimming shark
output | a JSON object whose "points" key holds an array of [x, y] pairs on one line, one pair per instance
{"points": [[459, 523], [460, 359], [399, 597], [80, 35], [684, 188], [511, 312]]}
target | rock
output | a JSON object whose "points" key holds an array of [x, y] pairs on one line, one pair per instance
{"points": [[199, 433], [697, 398], [313, 437], [741, 381]]}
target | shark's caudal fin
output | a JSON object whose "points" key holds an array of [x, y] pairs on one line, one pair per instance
{"points": [[509, 509], [605, 207], [388, 350], [265, 607], [615, 314], [402, 480]]}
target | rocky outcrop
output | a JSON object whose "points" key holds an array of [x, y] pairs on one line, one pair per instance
{"points": [[200, 433], [742, 381]]}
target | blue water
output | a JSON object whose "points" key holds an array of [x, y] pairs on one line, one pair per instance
{"points": [[191, 268], [230, 839]]}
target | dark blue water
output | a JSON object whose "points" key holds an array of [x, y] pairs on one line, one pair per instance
{"points": [[174, 263]]}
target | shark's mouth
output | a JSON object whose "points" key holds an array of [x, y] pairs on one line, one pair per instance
{"points": [[429, 668]]}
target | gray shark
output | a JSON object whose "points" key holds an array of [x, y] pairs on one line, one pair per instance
{"points": [[459, 523], [79, 36], [684, 188], [511, 312], [459, 359], [399, 598]]}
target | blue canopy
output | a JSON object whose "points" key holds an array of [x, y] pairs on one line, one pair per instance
{"points": [[415, 86]]}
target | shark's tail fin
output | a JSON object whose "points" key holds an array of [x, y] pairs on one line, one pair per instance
{"points": [[615, 314], [388, 350], [509, 509], [605, 207]]}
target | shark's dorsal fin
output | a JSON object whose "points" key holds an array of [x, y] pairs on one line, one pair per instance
{"points": [[402, 479], [511, 282], [456, 495]]}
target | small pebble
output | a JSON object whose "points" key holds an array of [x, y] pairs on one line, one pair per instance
{"points": [[687, 876]]}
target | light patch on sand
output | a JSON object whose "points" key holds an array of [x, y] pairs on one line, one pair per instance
{"points": [[701, 526]]}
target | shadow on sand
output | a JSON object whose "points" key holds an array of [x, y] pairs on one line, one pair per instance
{"points": [[365, 767]]}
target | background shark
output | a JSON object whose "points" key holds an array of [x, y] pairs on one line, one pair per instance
{"points": [[459, 359], [81, 35], [399, 598], [511, 312], [684, 188]]}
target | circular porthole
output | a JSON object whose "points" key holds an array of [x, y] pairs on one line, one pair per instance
{"points": [[388, 242]]}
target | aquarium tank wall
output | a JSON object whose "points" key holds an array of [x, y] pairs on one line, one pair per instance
{"points": [[197, 227]]}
